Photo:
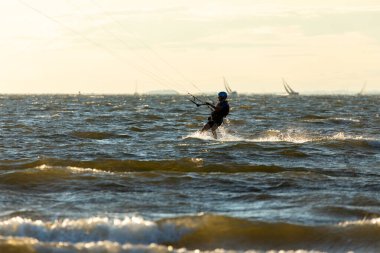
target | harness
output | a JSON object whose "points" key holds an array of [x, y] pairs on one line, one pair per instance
{"points": [[219, 115]]}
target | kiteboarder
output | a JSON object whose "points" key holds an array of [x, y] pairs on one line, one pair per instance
{"points": [[219, 112]]}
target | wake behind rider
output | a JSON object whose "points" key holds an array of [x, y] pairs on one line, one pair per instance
{"points": [[220, 111]]}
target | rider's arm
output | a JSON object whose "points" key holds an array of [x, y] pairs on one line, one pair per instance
{"points": [[209, 104]]}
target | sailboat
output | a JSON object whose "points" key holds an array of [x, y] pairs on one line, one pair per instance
{"points": [[362, 90], [136, 92], [288, 89], [228, 88]]}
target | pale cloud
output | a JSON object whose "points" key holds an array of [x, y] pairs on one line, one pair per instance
{"points": [[228, 10]]}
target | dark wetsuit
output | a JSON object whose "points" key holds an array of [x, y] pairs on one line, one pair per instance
{"points": [[221, 110]]}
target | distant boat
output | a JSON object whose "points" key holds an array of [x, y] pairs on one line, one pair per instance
{"points": [[228, 88], [362, 90], [136, 92], [288, 89]]}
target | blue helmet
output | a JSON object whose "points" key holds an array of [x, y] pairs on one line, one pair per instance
{"points": [[222, 95]]}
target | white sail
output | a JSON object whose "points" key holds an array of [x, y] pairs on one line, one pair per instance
{"points": [[363, 88], [288, 89], [226, 85], [136, 93], [228, 88]]}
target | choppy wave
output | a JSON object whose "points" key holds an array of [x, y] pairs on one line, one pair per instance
{"points": [[297, 136], [180, 165], [203, 232], [354, 212], [91, 160], [97, 135], [336, 120], [293, 153]]}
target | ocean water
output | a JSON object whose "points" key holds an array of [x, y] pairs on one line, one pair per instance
{"points": [[134, 174]]}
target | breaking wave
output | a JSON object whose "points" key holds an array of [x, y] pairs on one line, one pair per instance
{"points": [[336, 120], [204, 232], [120, 166]]}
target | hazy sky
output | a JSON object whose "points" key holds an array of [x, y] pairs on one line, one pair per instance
{"points": [[114, 46]]}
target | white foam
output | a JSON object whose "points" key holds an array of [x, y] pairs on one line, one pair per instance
{"points": [[374, 221], [78, 170], [274, 135], [291, 135], [114, 247], [134, 230], [223, 135], [347, 119], [343, 136], [302, 136]]}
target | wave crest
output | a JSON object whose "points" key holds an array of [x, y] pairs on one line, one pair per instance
{"points": [[203, 232], [180, 165], [97, 135]]}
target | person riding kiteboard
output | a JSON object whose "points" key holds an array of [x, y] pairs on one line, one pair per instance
{"points": [[219, 112]]}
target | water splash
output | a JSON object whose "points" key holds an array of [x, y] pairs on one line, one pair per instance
{"points": [[302, 136], [223, 135], [274, 135]]}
